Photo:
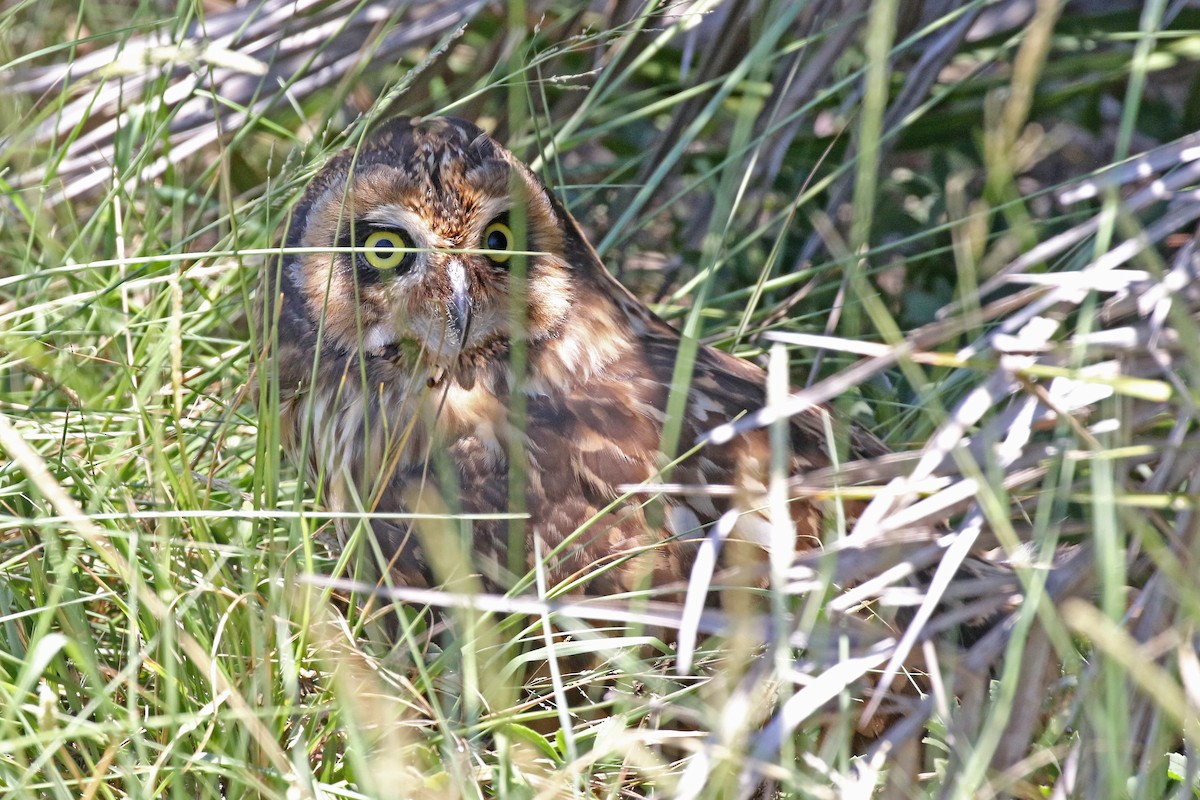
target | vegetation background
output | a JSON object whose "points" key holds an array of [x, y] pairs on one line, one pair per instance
{"points": [[969, 224]]}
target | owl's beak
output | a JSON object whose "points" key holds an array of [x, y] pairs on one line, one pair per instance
{"points": [[458, 307], [458, 311]]}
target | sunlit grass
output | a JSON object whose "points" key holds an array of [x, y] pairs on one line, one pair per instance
{"points": [[173, 621]]}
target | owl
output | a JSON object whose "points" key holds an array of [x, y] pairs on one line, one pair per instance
{"points": [[453, 357]]}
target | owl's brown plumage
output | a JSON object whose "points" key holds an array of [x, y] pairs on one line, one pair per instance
{"points": [[395, 375]]}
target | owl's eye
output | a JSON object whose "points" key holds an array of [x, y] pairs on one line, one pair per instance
{"points": [[498, 237], [385, 249]]}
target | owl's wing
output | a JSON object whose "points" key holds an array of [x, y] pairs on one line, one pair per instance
{"points": [[592, 441], [724, 387]]}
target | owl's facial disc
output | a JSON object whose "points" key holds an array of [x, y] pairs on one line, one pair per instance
{"points": [[431, 209]]}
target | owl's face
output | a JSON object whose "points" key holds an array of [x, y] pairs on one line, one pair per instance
{"points": [[434, 212]]}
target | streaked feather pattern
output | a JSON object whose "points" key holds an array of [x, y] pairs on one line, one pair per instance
{"points": [[393, 404]]}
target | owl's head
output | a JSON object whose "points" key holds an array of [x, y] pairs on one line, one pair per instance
{"points": [[407, 243]]}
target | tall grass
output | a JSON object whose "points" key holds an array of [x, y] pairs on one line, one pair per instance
{"points": [[818, 176]]}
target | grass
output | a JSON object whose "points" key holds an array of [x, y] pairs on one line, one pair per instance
{"points": [[167, 628]]}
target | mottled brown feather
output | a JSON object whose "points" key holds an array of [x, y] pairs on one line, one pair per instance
{"points": [[390, 408]]}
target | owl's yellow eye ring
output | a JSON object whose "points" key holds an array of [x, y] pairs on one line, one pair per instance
{"points": [[498, 238], [384, 249]]}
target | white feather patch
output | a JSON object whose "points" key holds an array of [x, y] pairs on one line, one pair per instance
{"points": [[457, 275], [378, 336]]}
